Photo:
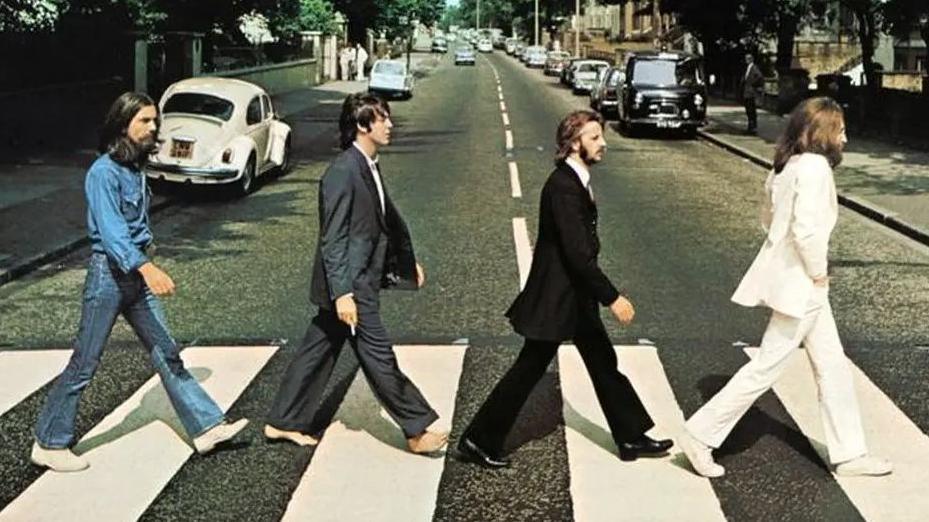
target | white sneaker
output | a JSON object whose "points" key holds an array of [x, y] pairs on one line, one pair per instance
{"points": [[62, 460], [218, 434], [865, 466], [701, 457]]}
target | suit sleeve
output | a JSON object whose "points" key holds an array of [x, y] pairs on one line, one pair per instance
{"points": [[578, 247], [336, 195], [811, 202]]}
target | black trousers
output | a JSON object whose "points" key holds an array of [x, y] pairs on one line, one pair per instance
{"points": [[301, 391], [622, 407], [751, 111]]}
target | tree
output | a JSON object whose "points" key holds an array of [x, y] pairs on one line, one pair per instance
{"points": [[25, 16], [868, 17], [901, 17]]}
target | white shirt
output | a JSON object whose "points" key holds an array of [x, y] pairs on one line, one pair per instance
{"points": [[372, 164], [748, 69], [582, 173]]}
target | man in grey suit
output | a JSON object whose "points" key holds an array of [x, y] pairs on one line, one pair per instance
{"points": [[752, 88], [364, 246]]}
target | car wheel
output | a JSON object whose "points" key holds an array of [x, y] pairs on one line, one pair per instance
{"points": [[285, 161], [247, 181]]}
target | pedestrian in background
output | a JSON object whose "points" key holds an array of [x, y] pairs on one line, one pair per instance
{"points": [[361, 59], [790, 276], [123, 280], [346, 62], [752, 88]]}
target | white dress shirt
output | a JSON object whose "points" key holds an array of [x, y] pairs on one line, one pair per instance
{"points": [[372, 164], [582, 173]]}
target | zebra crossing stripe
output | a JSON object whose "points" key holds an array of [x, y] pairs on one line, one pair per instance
{"points": [[136, 449], [26, 371], [889, 433], [363, 452], [601, 484]]}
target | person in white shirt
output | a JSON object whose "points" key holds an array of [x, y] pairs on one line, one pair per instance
{"points": [[346, 62], [790, 276], [361, 58]]}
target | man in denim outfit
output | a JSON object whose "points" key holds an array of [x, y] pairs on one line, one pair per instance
{"points": [[121, 279]]}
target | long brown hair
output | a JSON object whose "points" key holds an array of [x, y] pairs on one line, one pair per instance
{"points": [[813, 126], [569, 131], [114, 139]]}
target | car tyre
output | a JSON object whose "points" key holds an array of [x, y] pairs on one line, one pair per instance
{"points": [[284, 167], [247, 182]]}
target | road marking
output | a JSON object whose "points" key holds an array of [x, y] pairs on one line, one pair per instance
{"points": [[888, 432], [502, 107], [599, 480], [514, 180], [500, 96], [523, 250], [499, 88], [506, 119], [509, 139], [26, 371], [364, 452], [137, 448]]}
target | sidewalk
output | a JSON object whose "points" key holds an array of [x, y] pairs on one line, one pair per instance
{"points": [[883, 181], [42, 209]]}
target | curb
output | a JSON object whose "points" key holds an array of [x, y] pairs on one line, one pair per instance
{"points": [[39, 260], [869, 210]]}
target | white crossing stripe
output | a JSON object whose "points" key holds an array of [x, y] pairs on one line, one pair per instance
{"points": [[509, 139], [523, 250], [137, 448], [889, 433], [514, 180], [600, 482], [364, 453], [502, 107], [506, 119], [26, 371]]}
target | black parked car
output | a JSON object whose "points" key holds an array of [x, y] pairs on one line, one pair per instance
{"points": [[663, 90]]}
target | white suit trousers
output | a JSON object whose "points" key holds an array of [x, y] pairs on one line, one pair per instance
{"points": [[838, 404]]}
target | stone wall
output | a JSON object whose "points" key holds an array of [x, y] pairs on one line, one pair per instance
{"points": [[911, 81], [278, 78]]}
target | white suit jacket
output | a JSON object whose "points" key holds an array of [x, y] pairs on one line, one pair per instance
{"points": [[800, 211]]}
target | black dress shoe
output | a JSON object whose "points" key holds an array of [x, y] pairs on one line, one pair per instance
{"points": [[471, 452], [644, 446]]}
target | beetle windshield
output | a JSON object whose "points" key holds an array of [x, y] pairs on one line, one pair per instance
{"points": [[390, 68], [667, 73], [198, 103]]}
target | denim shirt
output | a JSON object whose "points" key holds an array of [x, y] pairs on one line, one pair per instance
{"points": [[117, 213]]}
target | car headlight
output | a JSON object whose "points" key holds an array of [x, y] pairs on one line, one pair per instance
{"points": [[639, 99], [227, 155], [698, 100]]}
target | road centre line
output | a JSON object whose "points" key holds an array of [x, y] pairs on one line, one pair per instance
{"points": [[509, 140], [500, 96], [506, 119], [502, 107], [514, 181], [523, 249]]}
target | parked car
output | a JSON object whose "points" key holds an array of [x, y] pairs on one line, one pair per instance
{"points": [[390, 77], [535, 56], [219, 131], [567, 74], [604, 97], [439, 45], [586, 74], [518, 51], [464, 55], [510, 46], [555, 61], [663, 90], [484, 46]]}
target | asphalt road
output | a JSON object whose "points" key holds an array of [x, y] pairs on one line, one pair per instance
{"points": [[678, 224]]}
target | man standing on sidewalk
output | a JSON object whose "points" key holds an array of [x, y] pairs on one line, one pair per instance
{"points": [[752, 86], [122, 279], [361, 59], [363, 246]]}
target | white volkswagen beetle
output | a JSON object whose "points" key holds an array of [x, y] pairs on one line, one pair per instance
{"points": [[218, 131]]}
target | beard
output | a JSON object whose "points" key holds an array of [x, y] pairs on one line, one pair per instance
{"points": [[590, 158]]}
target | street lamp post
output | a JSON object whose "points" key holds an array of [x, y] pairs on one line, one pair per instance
{"points": [[477, 16], [537, 22], [577, 27]]}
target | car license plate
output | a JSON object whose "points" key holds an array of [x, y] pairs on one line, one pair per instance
{"points": [[183, 149], [665, 124]]}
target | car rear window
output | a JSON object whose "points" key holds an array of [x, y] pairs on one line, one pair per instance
{"points": [[392, 68], [199, 103], [667, 72]]}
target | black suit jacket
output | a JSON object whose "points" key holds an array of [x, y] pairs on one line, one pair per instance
{"points": [[565, 280], [360, 249]]}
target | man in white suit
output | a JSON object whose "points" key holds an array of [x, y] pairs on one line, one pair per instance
{"points": [[790, 276], [361, 58]]}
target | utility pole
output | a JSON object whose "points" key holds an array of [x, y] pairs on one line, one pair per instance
{"points": [[477, 16], [577, 27], [536, 22]]}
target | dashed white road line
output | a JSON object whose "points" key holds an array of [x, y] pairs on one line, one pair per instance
{"points": [[500, 96], [523, 249], [514, 180], [509, 140], [502, 107], [506, 119]]}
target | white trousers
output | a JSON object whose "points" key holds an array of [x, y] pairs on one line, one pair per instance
{"points": [[838, 404], [346, 69]]}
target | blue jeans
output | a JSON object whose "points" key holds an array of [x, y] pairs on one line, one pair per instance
{"points": [[109, 292]]}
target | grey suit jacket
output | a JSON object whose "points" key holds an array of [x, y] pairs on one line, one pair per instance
{"points": [[360, 249], [752, 82]]}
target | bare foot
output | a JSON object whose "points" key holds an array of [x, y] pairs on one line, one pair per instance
{"points": [[300, 439], [428, 441]]}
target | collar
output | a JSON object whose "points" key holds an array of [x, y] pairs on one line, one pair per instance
{"points": [[580, 170], [371, 162]]}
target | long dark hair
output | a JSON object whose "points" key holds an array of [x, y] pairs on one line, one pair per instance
{"points": [[114, 139], [814, 126], [360, 109], [569, 131]]}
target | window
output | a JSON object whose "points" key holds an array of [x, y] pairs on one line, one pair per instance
{"points": [[266, 107], [197, 103], [253, 114]]}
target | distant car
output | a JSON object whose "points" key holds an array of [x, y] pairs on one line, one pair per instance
{"points": [[568, 72], [510, 46], [555, 61], [604, 97], [535, 56], [219, 131], [439, 45], [663, 90], [518, 50], [485, 46], [464, 55], [390, 77], [587, 74]]}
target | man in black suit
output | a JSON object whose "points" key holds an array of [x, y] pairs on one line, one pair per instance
{"points": [[752, 89], [364, 246], [559, 302]]}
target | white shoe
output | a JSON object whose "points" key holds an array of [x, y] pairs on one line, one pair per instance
{"points": [[62, 459], [865, 466], [218, 434], [701, 457]]}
